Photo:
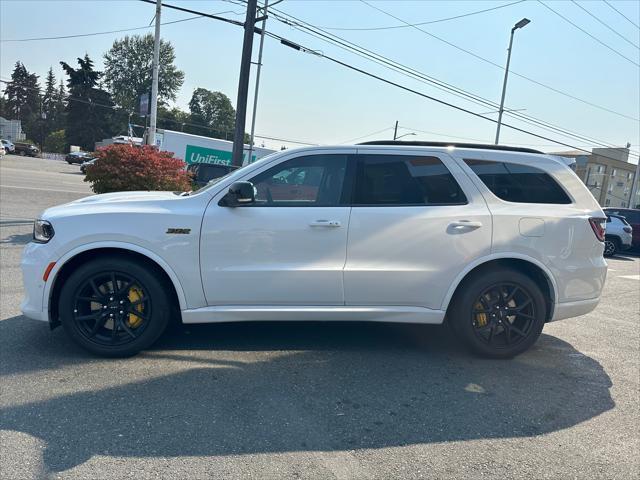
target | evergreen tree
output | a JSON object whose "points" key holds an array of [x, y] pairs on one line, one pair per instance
{"points": [[49, 95], [60, 106], [89, 108], [49, 102], [23, 99]]}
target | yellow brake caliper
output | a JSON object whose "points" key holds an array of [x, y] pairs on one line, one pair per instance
{"points": [[481, 318], [135, 294]]}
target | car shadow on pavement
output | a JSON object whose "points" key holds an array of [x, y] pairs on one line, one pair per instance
{"points": [[17, 239], [300, 387]]}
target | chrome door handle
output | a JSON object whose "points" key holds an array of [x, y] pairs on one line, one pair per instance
{"points": [[325, 223], [465, 224]]}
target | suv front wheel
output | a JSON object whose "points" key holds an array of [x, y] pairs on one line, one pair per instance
{"points": [[498, 313], [114, 306]]}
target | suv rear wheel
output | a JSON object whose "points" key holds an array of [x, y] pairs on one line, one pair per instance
{"points": [[114, 306], [498, 314], [611, 246]]}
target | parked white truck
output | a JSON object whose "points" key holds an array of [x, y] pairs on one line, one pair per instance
{"points": [[197, 149]]}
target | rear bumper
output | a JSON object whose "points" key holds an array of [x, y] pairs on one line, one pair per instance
{"points": [[574, 309]]}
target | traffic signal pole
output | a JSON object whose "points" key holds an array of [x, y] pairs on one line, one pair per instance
{"points": [[243, 84]]}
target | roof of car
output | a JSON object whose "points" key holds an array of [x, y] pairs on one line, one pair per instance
{"points": [[482, 146]]}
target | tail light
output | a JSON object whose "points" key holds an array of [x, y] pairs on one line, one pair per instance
{"points": [[598, 225], [627, 229]]}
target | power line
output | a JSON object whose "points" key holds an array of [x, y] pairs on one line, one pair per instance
{"points": [[351, 140], [108, 32], [605, 24], [391, 27], [483, 59], [622, 15], [408, 71], [587, 33]]}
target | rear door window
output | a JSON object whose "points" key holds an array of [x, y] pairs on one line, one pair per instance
{"points": [[518, 183], [404, 180]]}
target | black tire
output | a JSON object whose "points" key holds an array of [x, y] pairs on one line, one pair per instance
{"points": [[88, 297], [504, 329], [611, 246]]}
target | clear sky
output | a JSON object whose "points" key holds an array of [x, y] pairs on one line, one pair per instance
{"points": [[308, 98]]}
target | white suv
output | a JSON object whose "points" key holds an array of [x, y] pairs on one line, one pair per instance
{"points": [[494, 240]]}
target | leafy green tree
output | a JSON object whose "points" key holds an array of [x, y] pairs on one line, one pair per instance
{"points": [[55, 142], [173, 119], [89, 109], [213, 110], [23, 99], [128, 71]]}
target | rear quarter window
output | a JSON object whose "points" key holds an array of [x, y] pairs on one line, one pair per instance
{"points": [[518, 183]]}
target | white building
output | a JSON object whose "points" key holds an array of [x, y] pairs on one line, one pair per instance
{"points": [[11, 130]]}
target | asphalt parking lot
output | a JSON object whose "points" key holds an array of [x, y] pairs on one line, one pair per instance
{"points": [[298, 400]]}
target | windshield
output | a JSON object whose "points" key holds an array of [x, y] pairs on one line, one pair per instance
{"points": [[234, 172]]}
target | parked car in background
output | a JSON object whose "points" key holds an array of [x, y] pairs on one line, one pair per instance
{"points": [[26, 149], [632, 216], [618, 235], [203, 173], [8, 145], [78, 157], [495, 240], [84, 165]]}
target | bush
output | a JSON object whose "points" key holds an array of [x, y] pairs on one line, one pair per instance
{"points": [[126, 168], [55, 142]]}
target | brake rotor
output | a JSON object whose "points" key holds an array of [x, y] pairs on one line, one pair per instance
{"points": [[134, 295]]}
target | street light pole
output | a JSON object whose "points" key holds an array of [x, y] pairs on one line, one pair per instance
{"points": [[395, 131], [243, 84], [518, 25], [151, 138]]}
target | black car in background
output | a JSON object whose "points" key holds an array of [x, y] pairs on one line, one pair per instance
{"points": [[79, 157], [203, 173], [25, 149]]}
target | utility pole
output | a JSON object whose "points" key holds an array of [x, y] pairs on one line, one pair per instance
{"points": [[634, 187], [243, 83], [151, 137], [255, 93], [395, 132], [518, 25]]}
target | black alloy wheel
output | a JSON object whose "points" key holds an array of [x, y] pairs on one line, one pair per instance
{"points": [[111, 308], [498, 312], [115, 306], [503, 315]]}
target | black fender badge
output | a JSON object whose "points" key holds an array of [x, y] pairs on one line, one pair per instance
{"points": [[179, 231]]}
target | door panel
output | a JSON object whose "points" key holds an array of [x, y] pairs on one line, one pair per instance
{"points": [[289, 248], [410, 255]]}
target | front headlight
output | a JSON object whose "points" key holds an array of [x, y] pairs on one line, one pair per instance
{"points": [[42, 231]]}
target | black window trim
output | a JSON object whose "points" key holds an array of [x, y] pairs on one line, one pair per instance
{"points": [[353, 166], [562, 187]]}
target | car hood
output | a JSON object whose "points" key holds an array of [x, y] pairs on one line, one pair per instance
{"points": [[117, 201]]}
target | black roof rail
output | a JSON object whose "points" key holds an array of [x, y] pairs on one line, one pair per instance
{"points": [[451, 144]]}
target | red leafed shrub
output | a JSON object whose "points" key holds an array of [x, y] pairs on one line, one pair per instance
{"points": [[126, 167]]}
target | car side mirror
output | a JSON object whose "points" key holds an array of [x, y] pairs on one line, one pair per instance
{"points": [[240, 193]]}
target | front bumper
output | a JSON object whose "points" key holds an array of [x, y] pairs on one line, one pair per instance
{"points": [[33, 265]]}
